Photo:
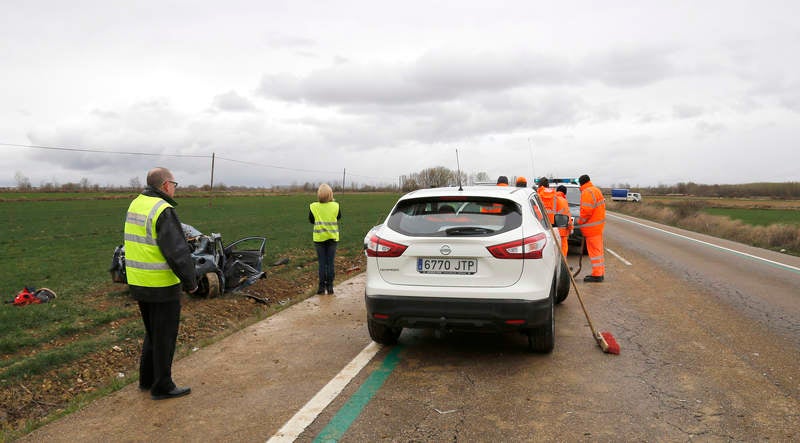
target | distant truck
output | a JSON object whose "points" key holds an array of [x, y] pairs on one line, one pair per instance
{"points": [[625, 195]]}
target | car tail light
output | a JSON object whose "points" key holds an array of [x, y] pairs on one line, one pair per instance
{"points": [[378, 247], [528, 247]]}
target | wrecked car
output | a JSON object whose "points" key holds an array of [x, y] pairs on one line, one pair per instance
{"points": [[219, 268]]}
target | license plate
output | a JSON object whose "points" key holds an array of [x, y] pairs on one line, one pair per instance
{"points": [[465, 266]]}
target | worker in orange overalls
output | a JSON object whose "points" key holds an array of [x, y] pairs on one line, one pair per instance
{"points": [[496, 208], [562, 207], [548, 196], [522, 182], [592, 221], [553, 205]]}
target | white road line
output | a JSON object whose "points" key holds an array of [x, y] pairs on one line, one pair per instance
{"points": [[618, 256], [308, 413], [778, 264]]}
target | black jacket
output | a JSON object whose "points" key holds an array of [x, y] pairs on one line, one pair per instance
{"points": [[172, 242]]}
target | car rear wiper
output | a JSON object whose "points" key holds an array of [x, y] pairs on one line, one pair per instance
{"points": [[468, 230]]}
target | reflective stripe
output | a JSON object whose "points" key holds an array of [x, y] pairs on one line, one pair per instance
{"points": [[590, 224], [152, 216], [135, 219], [322, 230], [139, 239], [147, 266], [321, 227]]}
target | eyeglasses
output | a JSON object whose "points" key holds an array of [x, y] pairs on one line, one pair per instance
{"points": [[174, 184]]}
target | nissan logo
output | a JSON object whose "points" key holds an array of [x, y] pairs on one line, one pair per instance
{"points": [[445, 250]]}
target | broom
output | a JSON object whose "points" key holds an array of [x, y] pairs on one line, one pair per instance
{"points": [[606, 341]]}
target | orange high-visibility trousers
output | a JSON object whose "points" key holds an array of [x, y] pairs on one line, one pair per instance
{"points": [[594, 245], [564, 245]]}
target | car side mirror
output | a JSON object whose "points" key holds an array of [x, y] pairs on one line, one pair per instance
{"points": [[561, 221]]}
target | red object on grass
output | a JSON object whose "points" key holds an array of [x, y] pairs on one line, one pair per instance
{"points": [[613, 346]]}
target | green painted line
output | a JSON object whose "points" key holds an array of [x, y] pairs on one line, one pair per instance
{"points": [[345, 417]]}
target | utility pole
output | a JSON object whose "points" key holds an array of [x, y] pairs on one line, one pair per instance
{"points": [[344, 173], [211, 187]]}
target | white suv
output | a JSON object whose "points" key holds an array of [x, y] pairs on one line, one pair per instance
{"points": [[465, 258]]}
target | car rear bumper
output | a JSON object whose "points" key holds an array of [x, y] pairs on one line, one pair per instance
{"points": [[458, 313]]}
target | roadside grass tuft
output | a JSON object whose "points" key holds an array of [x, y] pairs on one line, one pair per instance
{"points": [[782, 235]]}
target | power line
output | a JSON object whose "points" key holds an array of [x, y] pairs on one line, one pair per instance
{"points": [[275, 167], [98, 151], [294, 169]]}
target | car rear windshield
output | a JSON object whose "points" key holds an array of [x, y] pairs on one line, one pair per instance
{"points": [[466, 216]]}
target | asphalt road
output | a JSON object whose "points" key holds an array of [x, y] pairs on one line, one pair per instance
{"points": [[710, 343]]}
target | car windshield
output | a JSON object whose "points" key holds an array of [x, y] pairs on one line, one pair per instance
{"points": [[448, 216], [574, 196]]}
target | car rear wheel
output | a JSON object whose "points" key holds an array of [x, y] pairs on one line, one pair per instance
{"points": [[383, 334], [563, 284], [542, 339]]}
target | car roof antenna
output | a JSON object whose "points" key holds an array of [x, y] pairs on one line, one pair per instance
{"points": [[458, 163]]}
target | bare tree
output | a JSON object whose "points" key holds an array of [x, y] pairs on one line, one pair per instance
{"points": [[482, 177], [436, 177], [135, 184], [23, 182]]}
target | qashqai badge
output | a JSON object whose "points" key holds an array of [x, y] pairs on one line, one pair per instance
{"points": [[445, 250]]}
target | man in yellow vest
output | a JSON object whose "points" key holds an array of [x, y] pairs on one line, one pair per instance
{"points": [[158, 264]]}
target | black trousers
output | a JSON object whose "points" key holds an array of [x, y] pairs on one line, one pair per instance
{"points": [[161, 333], [326, 252]]}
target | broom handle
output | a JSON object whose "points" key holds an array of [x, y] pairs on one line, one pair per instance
{"points": [[577, 292]]}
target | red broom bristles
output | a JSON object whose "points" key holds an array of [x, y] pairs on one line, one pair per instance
{"points": [[612, 345]]}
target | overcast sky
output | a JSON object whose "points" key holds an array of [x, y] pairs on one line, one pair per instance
{"points": [[638, 92]]}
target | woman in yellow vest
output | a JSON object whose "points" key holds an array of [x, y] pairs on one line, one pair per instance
{"points": [[324, 215]]}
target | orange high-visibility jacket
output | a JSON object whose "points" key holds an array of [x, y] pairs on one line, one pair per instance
{"points": [[555, 203], [548, 196], [495, 208], [593, 210], [562, 207]]}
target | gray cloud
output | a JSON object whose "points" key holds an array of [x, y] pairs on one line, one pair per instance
{"points": [[433, 77], [231, 101], [683, 111], [629, 68]]}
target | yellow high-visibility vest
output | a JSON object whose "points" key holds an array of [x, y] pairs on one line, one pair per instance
{"points": [[145, 265], [326, 226]]}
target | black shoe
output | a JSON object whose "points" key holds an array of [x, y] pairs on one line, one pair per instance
{"points": [[175, 393], [593, 278], [320, 291], [144, 387], [330, 290]]}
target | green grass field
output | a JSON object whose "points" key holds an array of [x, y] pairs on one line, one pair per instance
{"points": [[67, 246], [758, 217]]}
